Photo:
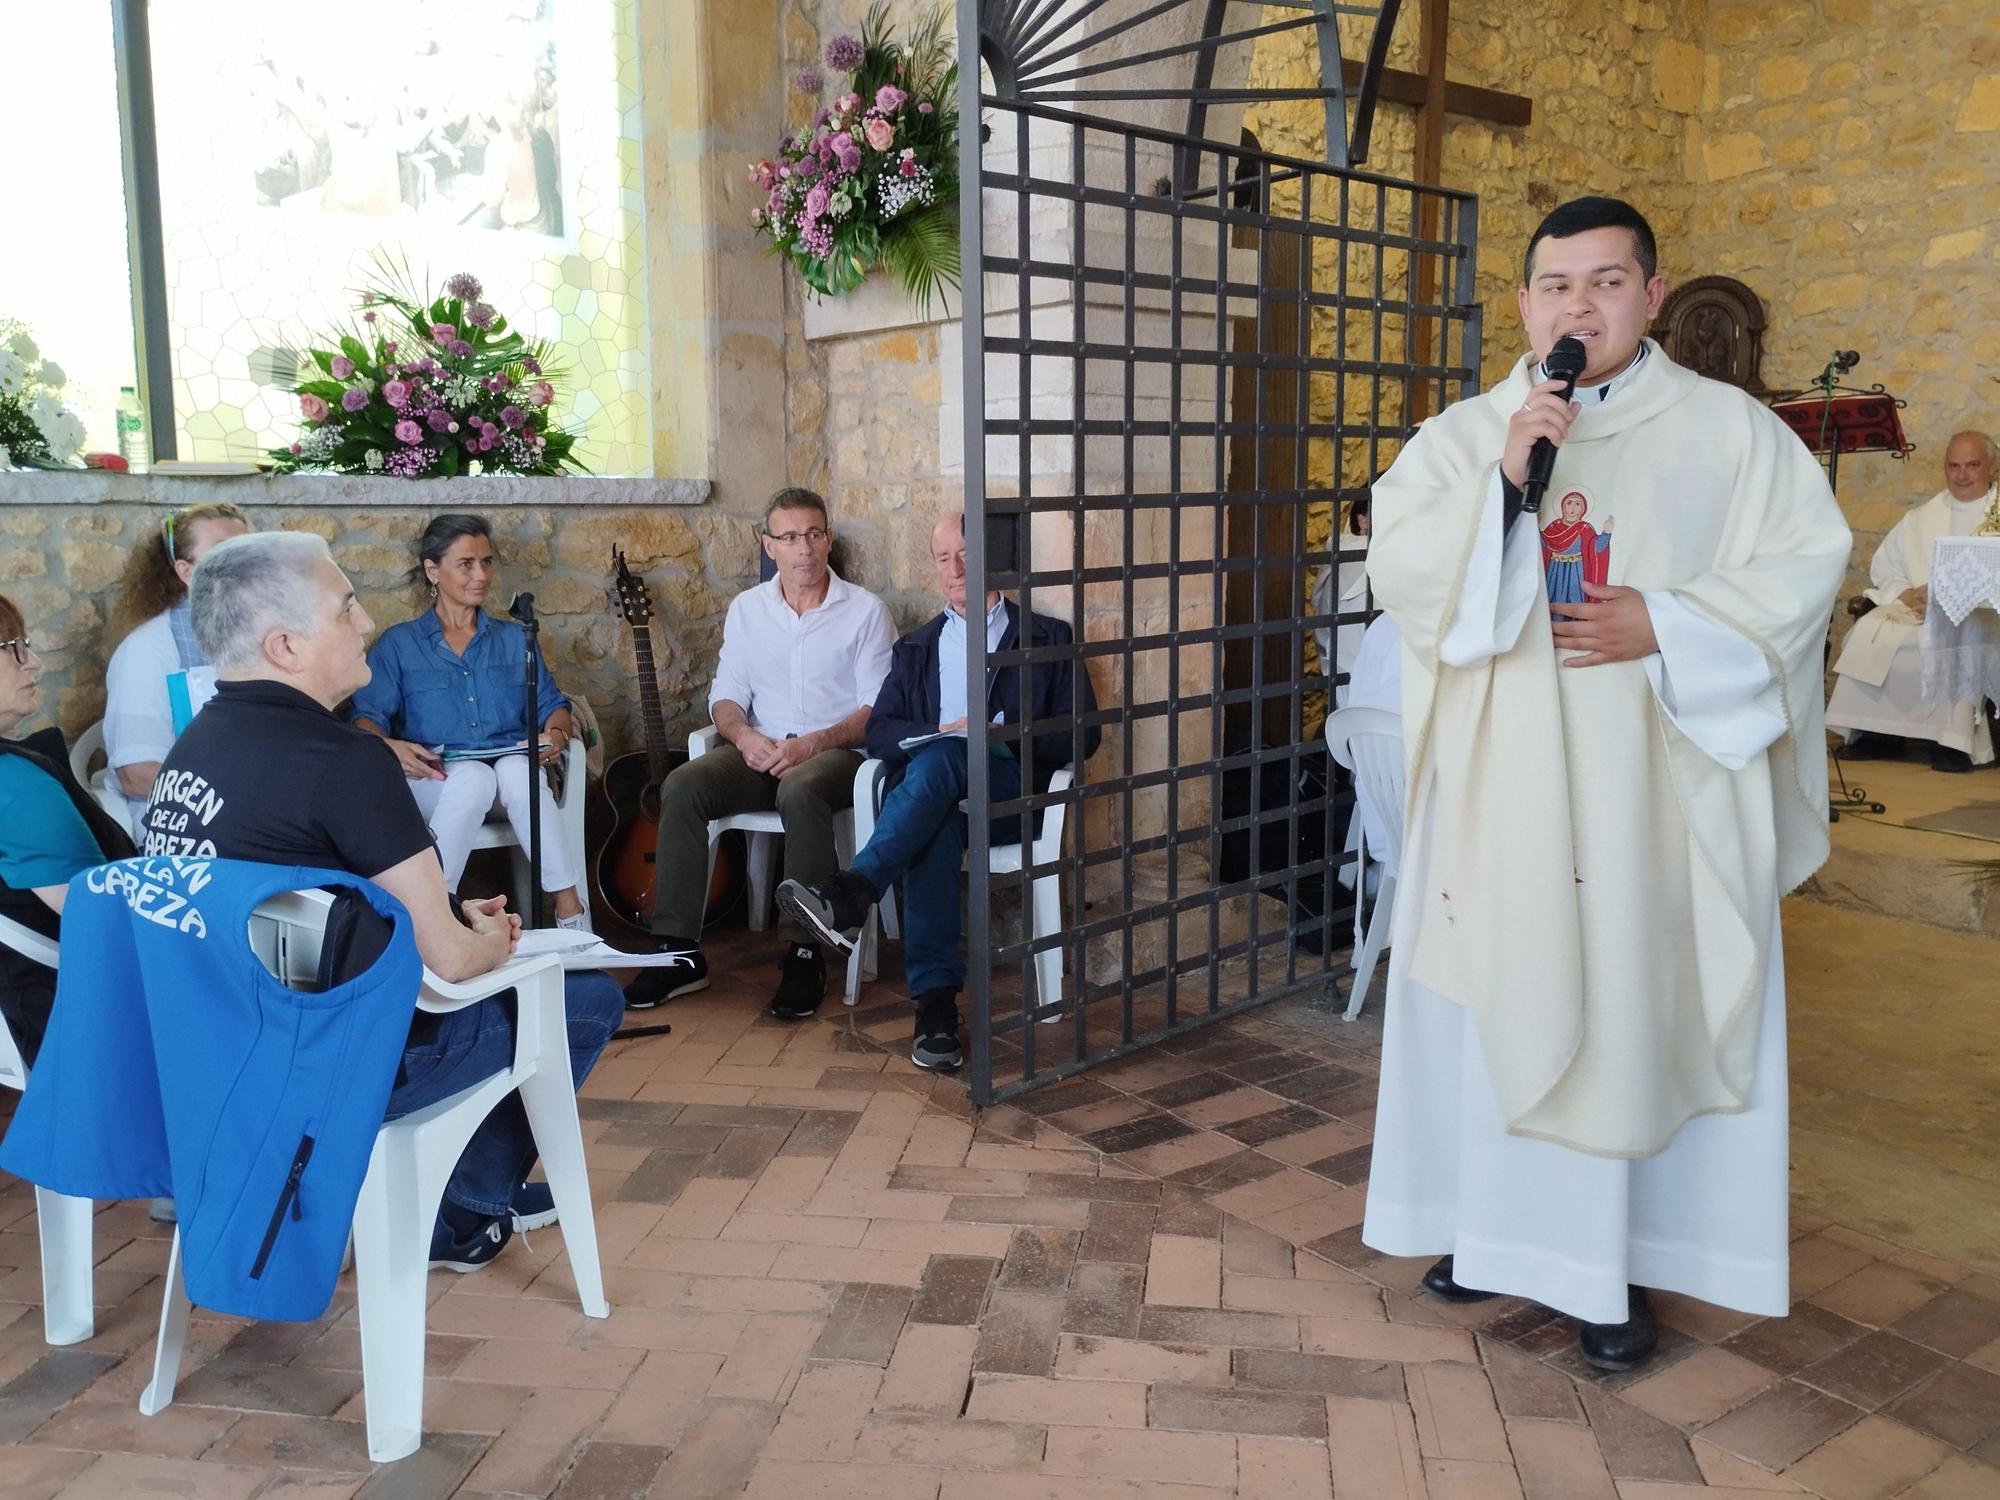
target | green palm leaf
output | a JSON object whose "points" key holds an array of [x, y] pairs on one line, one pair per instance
{"points": [[920, 249]]}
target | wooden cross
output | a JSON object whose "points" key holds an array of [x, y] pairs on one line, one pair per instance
{"points": [[1435, 96]]}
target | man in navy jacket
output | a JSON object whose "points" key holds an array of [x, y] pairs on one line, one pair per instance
{"points": [[920, 833]]}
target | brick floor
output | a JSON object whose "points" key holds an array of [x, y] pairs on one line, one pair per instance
{"points": [[831, 1278]]}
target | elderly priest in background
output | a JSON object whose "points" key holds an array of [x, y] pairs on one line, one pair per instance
{"points": [[1879, 694]]}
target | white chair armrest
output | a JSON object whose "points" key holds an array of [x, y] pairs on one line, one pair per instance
{"points": [[868, 779], [1049, 845], [29, 943], [703, 740], [441, 995]]}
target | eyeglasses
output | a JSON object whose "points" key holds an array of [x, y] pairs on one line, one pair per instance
{"points": [[21, 649], [813, 535]]}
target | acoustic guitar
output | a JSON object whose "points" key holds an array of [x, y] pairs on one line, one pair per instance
{"points": [[626, 811]]}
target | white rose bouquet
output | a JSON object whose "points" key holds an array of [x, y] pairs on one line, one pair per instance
{"points": [[36, 430]]}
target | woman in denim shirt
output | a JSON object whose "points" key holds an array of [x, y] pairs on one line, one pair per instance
{"points": [[451, 679]]}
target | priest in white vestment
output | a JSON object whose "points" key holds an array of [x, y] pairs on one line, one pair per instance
{"points": [[1583, 1063], [1878, 694]]}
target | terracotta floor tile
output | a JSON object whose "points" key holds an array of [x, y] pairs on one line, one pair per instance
{"points": [[1956, 1479], [1088, 1357], [1879, 1294], [1782, 1425], [1283, 1190], [1954, 1322], [1960, 1405], [1724, 1470], [1202, 1458], [1700, 1388], [1559, 1461], [1059, 1402], [1872, 1460], [1273, 1467], [1315, 1144], [1190, 1150], [1203, 1408], [1872, 1370], [1372, 1446]]}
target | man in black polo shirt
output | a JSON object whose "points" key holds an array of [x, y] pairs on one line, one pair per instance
{"points": [[267, 773]]}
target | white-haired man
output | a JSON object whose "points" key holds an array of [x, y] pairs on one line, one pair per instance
{"points": [[1879, 696], [266, 773]]}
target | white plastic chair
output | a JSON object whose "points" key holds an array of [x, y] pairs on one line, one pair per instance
{"points": [[497, 833], [412, 1160], [1002, 859], [62, 1222], [761, 832], [1369, 742], [103, 786]]}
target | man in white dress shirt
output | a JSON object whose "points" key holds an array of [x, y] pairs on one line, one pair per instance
{"points": [[1880, 692], [1617, 767], [803, 656]]}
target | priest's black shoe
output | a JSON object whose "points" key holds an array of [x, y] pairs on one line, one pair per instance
{"points": [[1944, 758], [1868, 745], [1438, 1282], [1626, 1345]]}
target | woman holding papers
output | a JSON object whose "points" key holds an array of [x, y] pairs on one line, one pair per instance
{"points": [[449, 695]]}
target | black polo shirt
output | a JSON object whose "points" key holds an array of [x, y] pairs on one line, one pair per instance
{"points": [[264, 773]]}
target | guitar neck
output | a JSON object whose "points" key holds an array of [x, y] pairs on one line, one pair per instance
{"points": [[650, 712]]}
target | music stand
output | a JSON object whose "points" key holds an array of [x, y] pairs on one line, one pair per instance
{"points": [[1832, 419]]}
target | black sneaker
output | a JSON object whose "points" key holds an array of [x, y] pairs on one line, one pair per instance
{"points": [[1944, 758], [686, 973], [835, 909], [472, 1253], [534, 1207], [801, 983], [936, 1046]]}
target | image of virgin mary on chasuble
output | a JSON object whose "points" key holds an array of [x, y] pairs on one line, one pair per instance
{"points": [[1573, 551]]}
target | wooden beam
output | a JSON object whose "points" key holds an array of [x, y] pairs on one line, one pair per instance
{"points": [[1462, 99]]}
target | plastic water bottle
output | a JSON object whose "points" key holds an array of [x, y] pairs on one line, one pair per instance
{"points": [[133, 445]]}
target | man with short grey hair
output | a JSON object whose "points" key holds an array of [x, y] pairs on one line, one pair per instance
{"points": [[1879, 694], [267, 773]]}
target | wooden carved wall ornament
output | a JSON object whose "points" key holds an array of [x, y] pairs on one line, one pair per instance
{"points": [[1714, 325]]}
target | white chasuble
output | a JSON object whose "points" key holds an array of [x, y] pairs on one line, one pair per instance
{"points": [[1880, 668], [1585, 1016]]}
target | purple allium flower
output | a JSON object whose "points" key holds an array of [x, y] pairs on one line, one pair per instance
{"points": [[460, 348], [340, 366], [439, 418], [464, 286], [512, 416], [809, 81], [889, 98], [395, 392], [409, 432], [353, 398], [480, 315], [443, 333], [843, 54], [368, 317]]}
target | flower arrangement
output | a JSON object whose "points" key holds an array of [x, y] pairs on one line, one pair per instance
{"points": [[36, 430], [429, 387], [873, 180]]}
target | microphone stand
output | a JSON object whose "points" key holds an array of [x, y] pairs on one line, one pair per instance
{"points": [[522, 610]]}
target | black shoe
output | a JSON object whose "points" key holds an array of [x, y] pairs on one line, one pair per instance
{"points": [[1944, 758], [534, 1207], [1868, 745], [1622, 1346], [835, 909], [801, 983], [1438, 1282], [474, 1251], [655, 986], [936, 1046]]}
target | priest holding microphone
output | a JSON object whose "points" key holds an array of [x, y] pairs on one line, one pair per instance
{"points": [[1617, 769]]}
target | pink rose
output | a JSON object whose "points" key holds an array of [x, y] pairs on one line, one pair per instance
{"points": [[342, 367], [880, 133], [395, 393], [443, 333], [409, 432], [847, 104], [889, 98], [312, 408], [541, 394]]}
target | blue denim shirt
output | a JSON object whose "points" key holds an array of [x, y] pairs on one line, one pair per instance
{"points": [[422, 691]]}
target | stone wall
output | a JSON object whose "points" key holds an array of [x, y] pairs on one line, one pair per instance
{"points": [[1846, 158]]}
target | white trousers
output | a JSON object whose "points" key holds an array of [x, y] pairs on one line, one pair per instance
{"points": [[1898, 707], [456, 806]]}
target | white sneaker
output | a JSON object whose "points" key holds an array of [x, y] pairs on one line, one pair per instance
{"points": [[578, 923]]}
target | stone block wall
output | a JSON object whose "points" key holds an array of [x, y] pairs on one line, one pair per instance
{"points": [[1846, 157]]}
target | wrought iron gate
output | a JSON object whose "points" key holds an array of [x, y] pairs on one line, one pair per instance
{"points": [[1183, 355]]}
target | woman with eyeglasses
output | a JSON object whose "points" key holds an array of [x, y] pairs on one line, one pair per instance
{"points": [[158, 678], [50, 828], [448, 691]]}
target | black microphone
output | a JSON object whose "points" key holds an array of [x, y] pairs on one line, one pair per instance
{"points": [[1564, 362], [522, 609]]}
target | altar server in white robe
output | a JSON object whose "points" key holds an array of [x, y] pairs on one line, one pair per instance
{"points": [[1879, 691], [1617, 766]]}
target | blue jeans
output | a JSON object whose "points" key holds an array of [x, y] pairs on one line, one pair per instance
{"points": [[475, 1043], [921, 836]]}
